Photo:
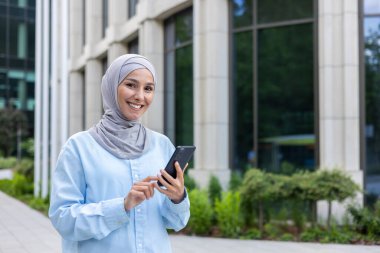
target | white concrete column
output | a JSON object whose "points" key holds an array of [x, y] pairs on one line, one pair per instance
{"points": [[151, 39], [76, 28], [211, 98], [115, 50], [76, 96], [339, 91], [93, 101], [117, 17], [93, 26]]}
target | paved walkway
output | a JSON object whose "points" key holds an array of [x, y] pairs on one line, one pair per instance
{"points": [[23, 230]]}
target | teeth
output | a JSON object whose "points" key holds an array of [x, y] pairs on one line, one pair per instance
{"points": [[134, 106]]}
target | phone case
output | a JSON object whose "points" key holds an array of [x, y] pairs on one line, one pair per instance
{"points": [[182, 155]]}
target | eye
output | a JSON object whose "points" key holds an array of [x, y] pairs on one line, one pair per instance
{"points": [[130, 85], [149, 88]]}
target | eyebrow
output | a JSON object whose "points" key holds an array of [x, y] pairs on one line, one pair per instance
{"points": [[135, 81]]}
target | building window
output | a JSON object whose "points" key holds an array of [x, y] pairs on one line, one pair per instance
{"points": [[371, 33], [105, 17], [133, 46], [179, 78], [273, 110], [132, 8]]}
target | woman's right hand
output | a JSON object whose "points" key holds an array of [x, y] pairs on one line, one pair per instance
{"points": [[140, 191]]}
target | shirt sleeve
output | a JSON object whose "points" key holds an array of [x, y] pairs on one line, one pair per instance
{"points": [[176, 216], [69, 214]]}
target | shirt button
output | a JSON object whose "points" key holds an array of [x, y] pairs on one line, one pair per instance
{"points": [[136, 176], [138, 210], [140, 245]]}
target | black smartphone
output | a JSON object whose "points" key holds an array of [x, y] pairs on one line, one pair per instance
{"points": [[182, 155]]}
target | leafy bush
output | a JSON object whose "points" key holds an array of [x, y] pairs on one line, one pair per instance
{"points": [[190, 183], [20, 185], [252, 233], [366, 221], [228, 214], [235, 181], [7, 163], [273, 231], [214, 189], [5, 185], [312, 234], [287, 237], [26, 168], [201, 212]]}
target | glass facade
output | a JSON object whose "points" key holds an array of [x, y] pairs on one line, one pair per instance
{"points": [[133, 46], [273, 110], [104, 17], [179, 78], [17, 43], [371, 30]]}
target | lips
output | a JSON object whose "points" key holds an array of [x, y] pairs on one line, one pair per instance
{"points": [[135, 106]]}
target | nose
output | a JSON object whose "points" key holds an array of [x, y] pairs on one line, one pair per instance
{"points": [[139, 95]]}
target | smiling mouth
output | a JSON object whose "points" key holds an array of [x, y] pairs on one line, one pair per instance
{"points": [[135, 106]]}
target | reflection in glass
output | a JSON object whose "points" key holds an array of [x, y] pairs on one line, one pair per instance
{"points": [[242, 115], [242, 13], [371, 7], [179, 78], [285, 98], [183, 27], [283, 10], [184, 96], [372, 106]]}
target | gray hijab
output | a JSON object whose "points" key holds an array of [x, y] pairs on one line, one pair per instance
{"points": [[125, 139]]}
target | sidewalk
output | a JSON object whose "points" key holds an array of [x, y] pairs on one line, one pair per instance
{"points": [[23, 230]]}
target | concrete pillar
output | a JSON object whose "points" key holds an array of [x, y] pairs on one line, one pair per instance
{"points": [[117, 17], [115, 50], [339, 92], [93, 25], [211, 98], [75, 28], [93, 101], [151, 38], [76, 96]]}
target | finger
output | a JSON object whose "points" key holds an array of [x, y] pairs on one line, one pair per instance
{"points": [[150, 178], [137, 195], [168, 176], [159, 188], [179, 171], [164, 182], [144, 189]]}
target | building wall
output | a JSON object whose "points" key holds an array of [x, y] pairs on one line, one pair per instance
{"points": [[88, 50]]}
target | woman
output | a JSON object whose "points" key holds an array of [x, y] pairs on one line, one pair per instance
{"points": [[103, 196]]}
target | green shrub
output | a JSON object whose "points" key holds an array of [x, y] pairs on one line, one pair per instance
{"points": [[7, 163], [366, 221], [272, 230], [5, 185], [287, 237], [312, 234], [201, 212], [228, 214], [20, 185], [252, 233], [190, 183], [26, 168], [235, 181], [214, 189]]}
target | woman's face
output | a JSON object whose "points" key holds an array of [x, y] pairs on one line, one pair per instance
{"points": [[135, 93]]}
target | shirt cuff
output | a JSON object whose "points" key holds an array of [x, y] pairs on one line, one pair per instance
{"points": [[181, 207], [114, 212]]}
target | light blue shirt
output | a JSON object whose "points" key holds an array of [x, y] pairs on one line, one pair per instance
{"points": [[87, 199]]}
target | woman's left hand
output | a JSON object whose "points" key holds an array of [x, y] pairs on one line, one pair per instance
{"points": [[175, 189]]}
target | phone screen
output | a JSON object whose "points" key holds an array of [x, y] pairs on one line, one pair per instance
{"points": [[182, 155]]}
